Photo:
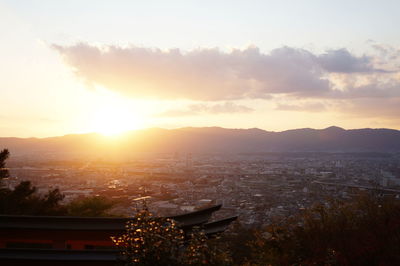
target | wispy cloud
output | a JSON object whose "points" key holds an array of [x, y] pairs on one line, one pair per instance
{"points": [[384, 108], [201, 109], [303, 107]]}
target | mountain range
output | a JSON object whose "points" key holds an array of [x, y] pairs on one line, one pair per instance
{"points": [[213, 140]]}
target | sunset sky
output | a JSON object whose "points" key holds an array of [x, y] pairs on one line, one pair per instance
{"points": [[109, 66]]}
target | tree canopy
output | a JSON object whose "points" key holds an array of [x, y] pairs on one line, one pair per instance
{"points": [[25, 199], [4, 154], [151, 241], [363, 231]]}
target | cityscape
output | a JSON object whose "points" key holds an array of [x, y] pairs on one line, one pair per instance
{"points": [[258, 188]]}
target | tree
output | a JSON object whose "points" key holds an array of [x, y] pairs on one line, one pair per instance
{"points": [[237, 243], [4, 154], [24, 199], [90, 206], [151, 241], [365, 231]]}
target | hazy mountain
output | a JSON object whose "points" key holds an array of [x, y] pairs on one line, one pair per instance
{"points": [[213, 139]]}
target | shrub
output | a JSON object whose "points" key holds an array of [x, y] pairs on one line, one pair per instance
{"points": [[365, 231], [159, 241]]}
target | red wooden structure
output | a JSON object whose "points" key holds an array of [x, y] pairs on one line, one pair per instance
{"points": [[47, 240]]}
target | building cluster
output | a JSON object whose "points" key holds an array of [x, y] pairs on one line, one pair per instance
{"points": [[257, 187]]}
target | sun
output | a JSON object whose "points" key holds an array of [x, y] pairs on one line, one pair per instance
{"points": [[114, 119], [111, 114]]}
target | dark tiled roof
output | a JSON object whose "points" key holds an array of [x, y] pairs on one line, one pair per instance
{"points": [[218, 226], [58, 254], [93, 223]]}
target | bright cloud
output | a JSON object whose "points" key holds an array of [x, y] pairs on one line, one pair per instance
{"points": [[295, 80], [214, 75]]}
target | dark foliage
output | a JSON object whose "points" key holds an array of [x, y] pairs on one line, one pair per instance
{"points": [[90, 207], [363, 232], [24, 199], [150, 241], [237, 242], [4, 154]]}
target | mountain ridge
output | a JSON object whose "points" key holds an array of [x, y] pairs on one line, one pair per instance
{"points": [[214, 139]]}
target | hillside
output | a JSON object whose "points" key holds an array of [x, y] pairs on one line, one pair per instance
{"points": [[214, 140]]}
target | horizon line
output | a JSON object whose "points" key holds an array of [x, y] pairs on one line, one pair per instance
{"points": [[191, 127]]}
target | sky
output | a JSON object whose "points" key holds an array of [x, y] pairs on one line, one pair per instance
{"points": [[110, 66]]}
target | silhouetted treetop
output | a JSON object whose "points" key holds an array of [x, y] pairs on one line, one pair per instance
{"points": [[4, 154]]}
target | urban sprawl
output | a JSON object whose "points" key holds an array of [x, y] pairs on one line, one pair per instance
{"points": [[257, 187]]}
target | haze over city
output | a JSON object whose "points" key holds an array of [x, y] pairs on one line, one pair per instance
{"points": [[106, 67]]}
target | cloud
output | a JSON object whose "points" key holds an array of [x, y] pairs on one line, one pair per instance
{"points": [[383, 108], [374, 86], [387, 51], [200, 109], [376, 90], [304, 107], [342, 61], [215, 75], [202, 74]]}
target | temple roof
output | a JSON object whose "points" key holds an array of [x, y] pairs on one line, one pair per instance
{"points": [[94, 223]]}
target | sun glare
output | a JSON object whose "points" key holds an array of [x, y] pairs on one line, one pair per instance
{"points": [[113, 117], [111, 122]]}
